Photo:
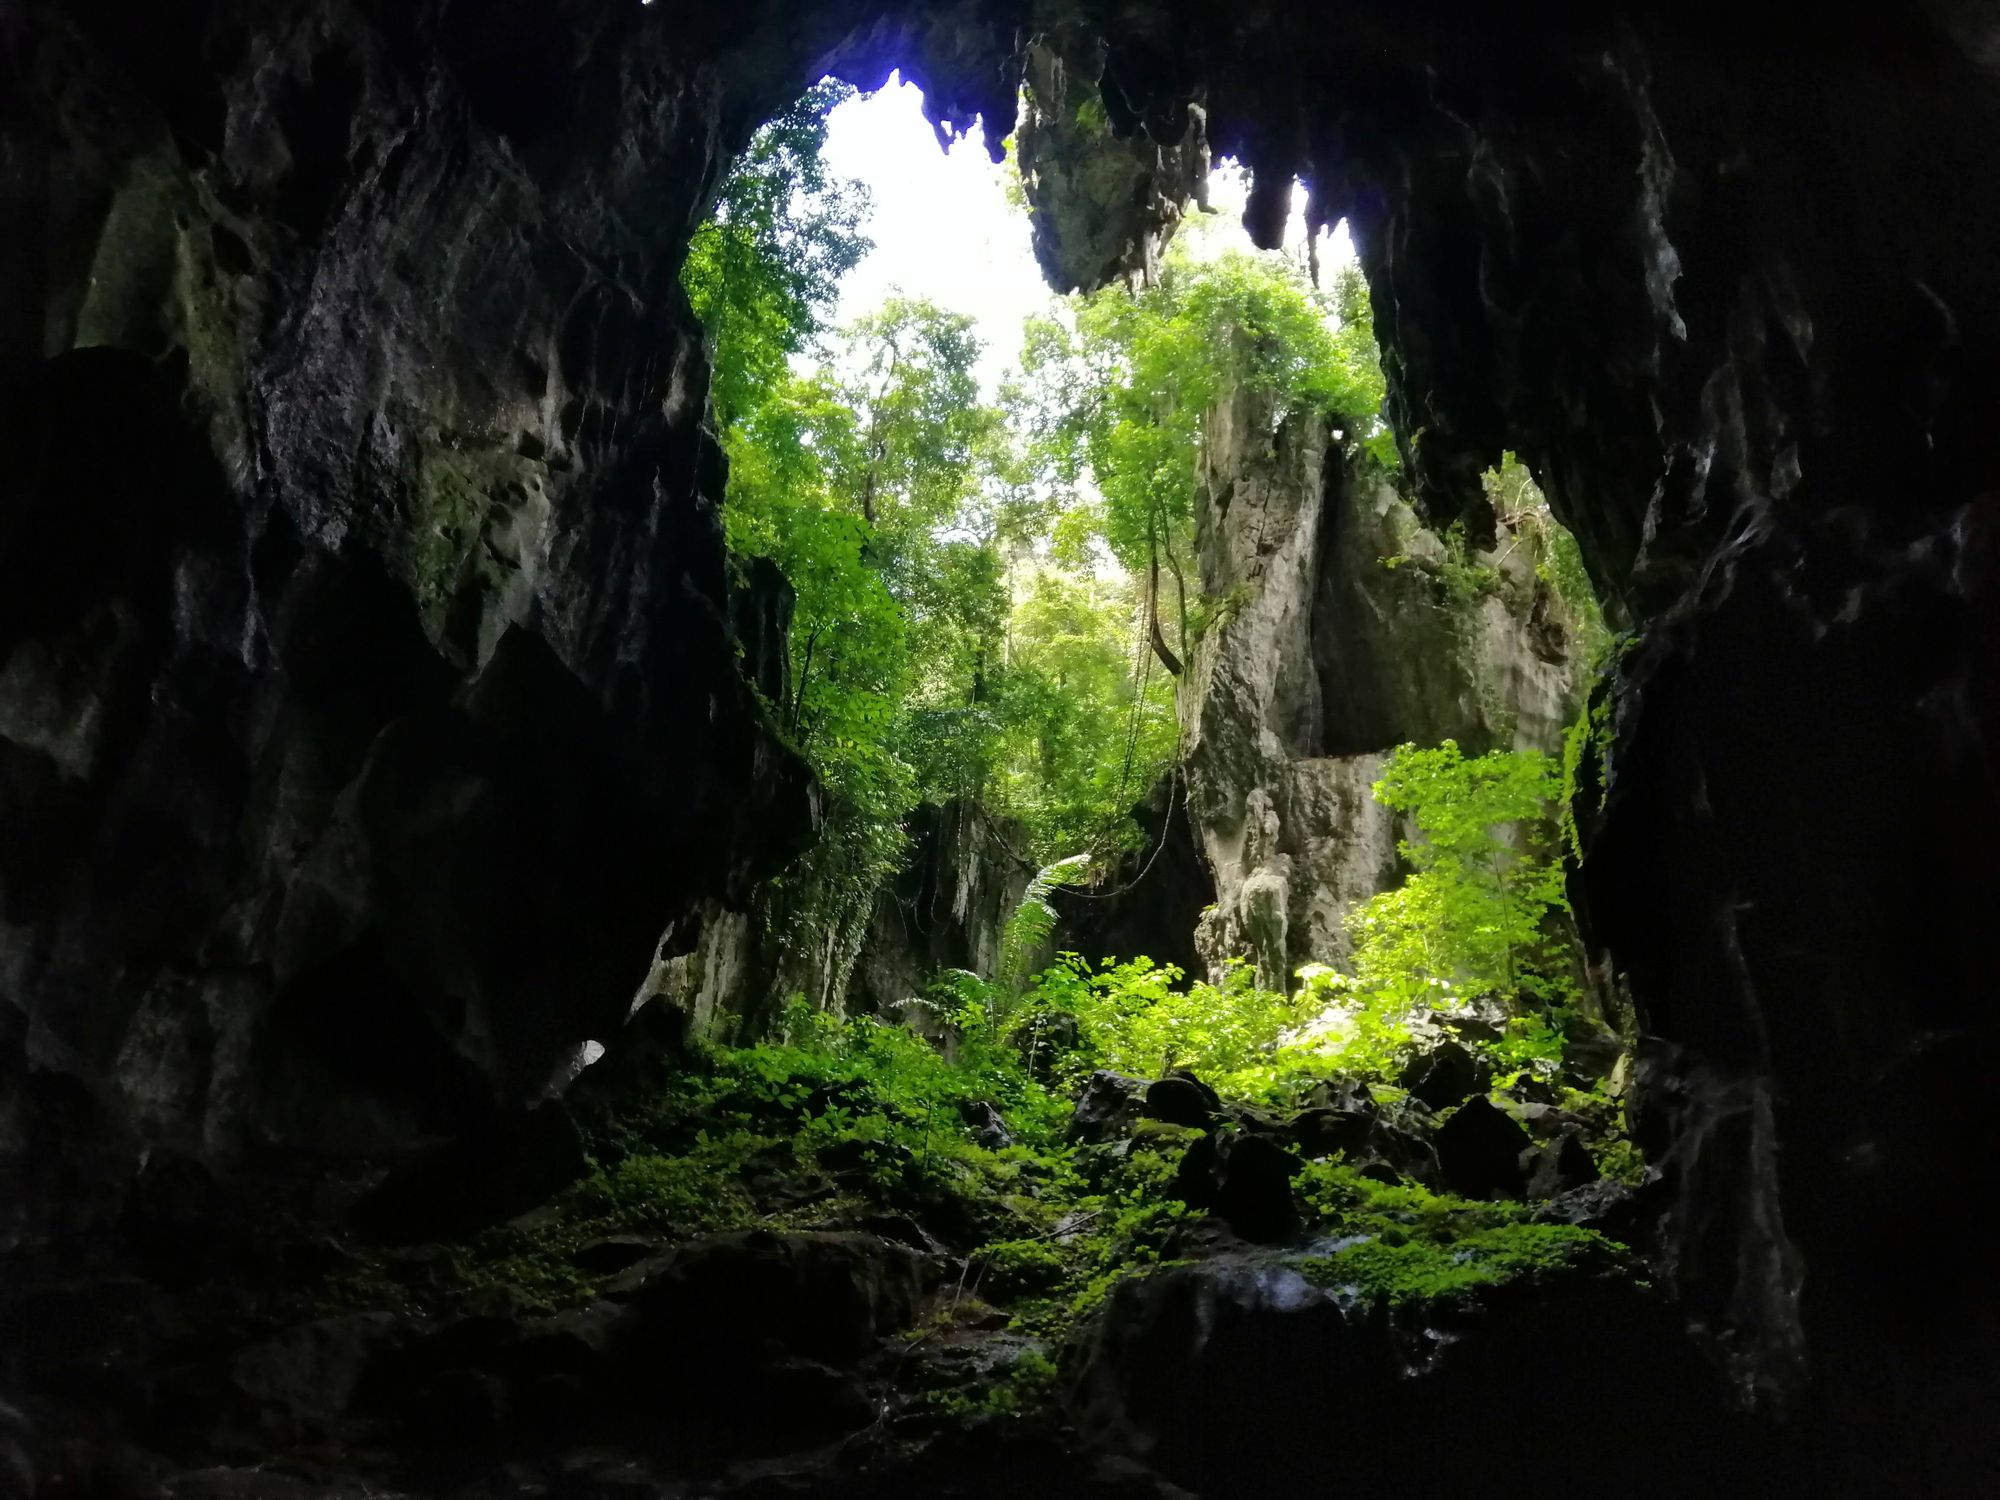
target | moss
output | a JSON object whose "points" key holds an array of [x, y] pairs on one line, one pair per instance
{"points": [[1023, 1389], [534, 1262], [1338, 1198], [1019, 1267], [690, 1194], [1411, 1269], [449, 503]]}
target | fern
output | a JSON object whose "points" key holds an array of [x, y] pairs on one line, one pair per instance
{"points": [[1033, 920]]}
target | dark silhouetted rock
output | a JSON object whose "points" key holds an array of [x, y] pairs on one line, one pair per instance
{"points": [[988, 1126], [1237, 1375], [1479, 1151], [1323, 1131], [822, 1295], [1610, 1207], [1246, 1180], [1255, 1193], [1561, 1164], [1448, 1074], [612, 1254], [1481, 1025], [1107, 1109], [17, 1468], [303, 1380], [653, 1046], [1179, 1101], [1547, 1121], [1349, 1094], [468, 1184], [1589, 1060]]}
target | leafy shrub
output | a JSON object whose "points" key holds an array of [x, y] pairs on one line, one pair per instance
{"points": [[1140, 1018]]}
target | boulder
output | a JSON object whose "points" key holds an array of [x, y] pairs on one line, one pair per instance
{"points": [[612, 1254], [1323, 1131], [1547, 1121], [1245, 1180], [462, 1186], [1107, 1108], [654, 1044], [1610, 1207], [1448, 1074], [1406, 1148], [987, 1124], [1180, 1100], [304, 1379], [1479, 1151], [1559, 1165], [1349, 1094], [823, 1295], [1589, 1060], [1473, 1023], [1239, 1376]]}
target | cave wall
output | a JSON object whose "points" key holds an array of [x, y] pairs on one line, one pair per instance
{"points": [[329, 691], [372, 678], [947, 909], [1724, 278]]}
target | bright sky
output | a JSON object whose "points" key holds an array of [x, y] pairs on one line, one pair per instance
{"points": [[943, 228]]}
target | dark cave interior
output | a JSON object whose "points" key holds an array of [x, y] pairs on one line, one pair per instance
{"points": [[335, 815]]}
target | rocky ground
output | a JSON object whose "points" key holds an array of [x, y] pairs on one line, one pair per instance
{"points": [[746, 1288]]}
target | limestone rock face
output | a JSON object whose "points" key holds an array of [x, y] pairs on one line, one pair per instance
{"points": [[1104, 201], [1336, 643], [369, 693], [947, 910]]}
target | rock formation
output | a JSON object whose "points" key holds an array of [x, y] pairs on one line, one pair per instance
{"points": [[1340, 638]]}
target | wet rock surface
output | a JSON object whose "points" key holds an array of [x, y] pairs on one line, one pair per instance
{"points": [[1242, 1365]]}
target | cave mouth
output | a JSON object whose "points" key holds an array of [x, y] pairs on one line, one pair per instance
{"points": [[1177, 966]]}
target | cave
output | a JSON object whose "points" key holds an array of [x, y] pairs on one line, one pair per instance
{"points": [[376, 688]]}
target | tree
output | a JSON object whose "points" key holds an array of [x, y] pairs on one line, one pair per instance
{"points": [[1086, 725], [1127, 394], [764, 271], [1483, 908]]}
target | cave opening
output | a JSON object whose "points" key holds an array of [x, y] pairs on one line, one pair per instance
{"points": [[1195, 961]]}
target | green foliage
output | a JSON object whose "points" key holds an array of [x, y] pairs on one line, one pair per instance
{"points": [[1406, 1244], [1416, 1270], [1026, 1386], [1480, 911], [765, 269], [1126, 397], [1138, 1018], [1082, 731], [1028, 929], [1110, 1215], [1587, 743], [857, 482], [1463, 581], [979, 587], [691, 1192]]}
